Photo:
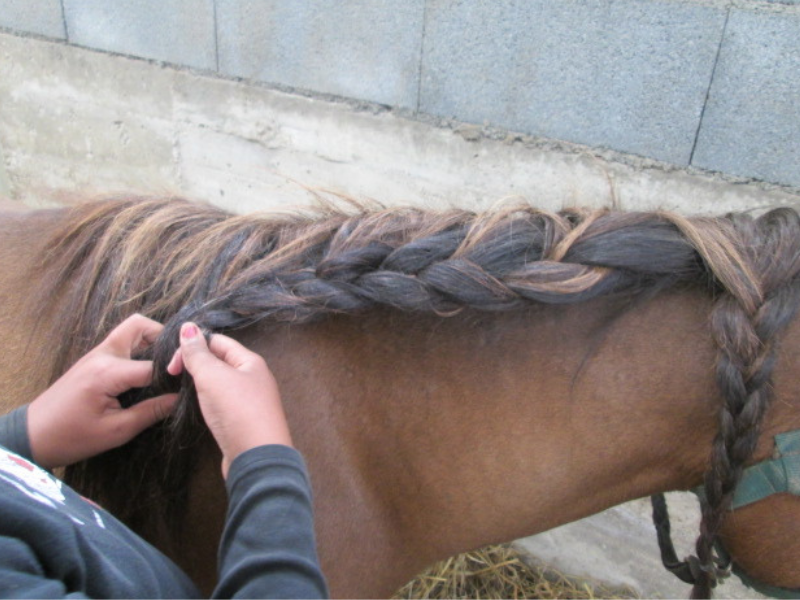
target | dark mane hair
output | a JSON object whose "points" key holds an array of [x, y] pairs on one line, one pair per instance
{"points": [[175, 261]]}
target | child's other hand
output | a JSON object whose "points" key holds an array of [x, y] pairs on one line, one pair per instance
{"points": [[79, 415]]}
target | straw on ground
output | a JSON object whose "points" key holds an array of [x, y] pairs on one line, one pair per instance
{"points": [[497, 572]]}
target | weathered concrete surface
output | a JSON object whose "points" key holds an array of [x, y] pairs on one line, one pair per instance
{"points": [[618, 548], [74, 122], [71, 122], [629, 75], [5, 186], [703, 83]]}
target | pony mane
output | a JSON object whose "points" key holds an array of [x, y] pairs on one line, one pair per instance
{"points": [[175, 261]]}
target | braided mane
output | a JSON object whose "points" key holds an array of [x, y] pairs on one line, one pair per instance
{"points": [[175, 261]]}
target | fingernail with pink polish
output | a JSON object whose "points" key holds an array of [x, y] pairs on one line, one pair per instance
{"points": [[189, 330]]}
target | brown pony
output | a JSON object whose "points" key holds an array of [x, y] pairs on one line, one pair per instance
{"points": [[452, 379]]}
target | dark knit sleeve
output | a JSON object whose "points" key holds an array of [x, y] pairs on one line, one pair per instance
{"points": [[14, 432], [268, 548]]}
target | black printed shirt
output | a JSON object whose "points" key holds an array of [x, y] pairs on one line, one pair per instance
{"points": [[57, 544]]}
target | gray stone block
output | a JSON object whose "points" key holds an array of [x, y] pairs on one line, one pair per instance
{"points": [[751, 126], [43, 17], [365, 50], [179, 32], [621, 74]]}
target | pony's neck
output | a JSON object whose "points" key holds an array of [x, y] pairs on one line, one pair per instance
{"points": [[24, 237], [454, 433]]}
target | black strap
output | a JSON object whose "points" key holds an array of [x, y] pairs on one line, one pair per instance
{"points": [[689, 570], [682, 569]]}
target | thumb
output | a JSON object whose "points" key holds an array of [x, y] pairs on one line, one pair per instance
{"points": [[140, 416], [194, 349]]}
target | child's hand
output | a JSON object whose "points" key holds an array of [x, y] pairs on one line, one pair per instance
{"points": [[79, 415], [238, 395]]}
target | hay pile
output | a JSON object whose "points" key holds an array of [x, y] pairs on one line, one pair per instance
{"points": [[496, 572]]}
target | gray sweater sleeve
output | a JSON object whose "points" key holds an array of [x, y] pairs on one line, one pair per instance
{"points": [[14, 432], [268, 548]]}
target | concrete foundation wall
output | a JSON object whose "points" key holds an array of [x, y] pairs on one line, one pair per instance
{"points": [[710, 84]]}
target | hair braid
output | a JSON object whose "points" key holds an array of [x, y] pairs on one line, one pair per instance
{"points": [[525, 256], [411, 260], [746, 335]]}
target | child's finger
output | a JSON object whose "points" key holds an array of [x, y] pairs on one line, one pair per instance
{"points": [[195, 354], [129, 374], [137, 332], [175, 366], [140, 416], [231, 352]]}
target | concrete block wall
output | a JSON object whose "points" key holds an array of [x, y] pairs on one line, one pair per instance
{"points": [[708, 84]]}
